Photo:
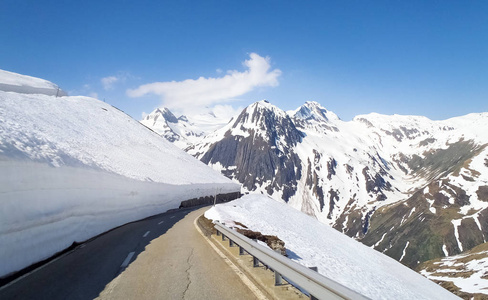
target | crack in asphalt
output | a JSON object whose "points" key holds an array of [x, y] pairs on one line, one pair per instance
{"points": [[188, 273]]}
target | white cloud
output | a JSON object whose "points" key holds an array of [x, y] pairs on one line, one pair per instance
{"points": [[180, 95], [108, 82]]}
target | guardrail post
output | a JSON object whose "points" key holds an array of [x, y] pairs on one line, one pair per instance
{"points": [[231, 243], [223, 237], [218, 232], [241, 251], [255, 262], [278, 278]]}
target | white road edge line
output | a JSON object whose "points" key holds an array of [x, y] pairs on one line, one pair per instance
{"points": [[145, 234], [256, 291], [160, 222], [127, 260]]}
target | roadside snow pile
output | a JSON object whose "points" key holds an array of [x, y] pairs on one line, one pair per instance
{"points": [[74, 167], [337, 256], [13, 82]]}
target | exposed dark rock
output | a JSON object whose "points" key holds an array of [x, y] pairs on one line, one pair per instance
{"points": [[333, 198], [426, 232], [221, 198], [376, 184], [183, 118], [365, 121], [411, 133], [482, 193], [460, 196], [366, 220], [168, 115], [308, 181], [440, 200], [443, 161], [469, 234], [312, 182], [396, 133], [271, 240], [483, 220], [331, 166], [267, 155], [427, 141]]}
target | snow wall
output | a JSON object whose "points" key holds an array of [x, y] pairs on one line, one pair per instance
{"points": [[63, 205]]}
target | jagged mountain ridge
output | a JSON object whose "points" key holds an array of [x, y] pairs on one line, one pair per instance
{"points": [[184, 131], [179, 130], [260, 142], [344, 172]]}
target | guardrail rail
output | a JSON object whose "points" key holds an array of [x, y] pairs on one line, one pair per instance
{"points": [[317, 285]]}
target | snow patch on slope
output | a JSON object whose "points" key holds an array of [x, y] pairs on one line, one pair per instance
{"points": [[337, 256]]}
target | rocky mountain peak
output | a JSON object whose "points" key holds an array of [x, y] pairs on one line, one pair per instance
{"points": [[166, 114], [313, 111], [270, 123]]}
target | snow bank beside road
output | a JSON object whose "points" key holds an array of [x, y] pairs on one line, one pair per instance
{"points": [[74, 167], [13, 82], [43, 210], [337, 256]]}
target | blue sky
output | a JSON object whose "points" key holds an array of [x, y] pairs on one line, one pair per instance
{"points": [[354, 57]]}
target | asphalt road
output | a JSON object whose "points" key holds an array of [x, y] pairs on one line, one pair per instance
{"points": [[162, 257]]}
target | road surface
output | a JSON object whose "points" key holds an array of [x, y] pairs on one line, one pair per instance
{"points": [[162, 257]]}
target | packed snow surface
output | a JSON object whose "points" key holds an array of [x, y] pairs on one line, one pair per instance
{"points": [[74, 167], [337, 256], [13, 82]]}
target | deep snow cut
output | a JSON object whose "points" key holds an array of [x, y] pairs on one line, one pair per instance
{"points": [[337, 256], [74, 167]]}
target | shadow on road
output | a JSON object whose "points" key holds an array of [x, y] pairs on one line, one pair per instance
{"points": [[83, 272]]}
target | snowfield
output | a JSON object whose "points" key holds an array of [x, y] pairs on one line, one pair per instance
{"points": [[337, 256], [74, 167]]}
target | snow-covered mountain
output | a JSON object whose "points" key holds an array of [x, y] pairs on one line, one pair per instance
{"points": [[183, 131], [74, 167], [178, 131], [337, 257], [408, 186]]}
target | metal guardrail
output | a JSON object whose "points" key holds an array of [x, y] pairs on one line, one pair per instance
{"points": [[319, 286]]}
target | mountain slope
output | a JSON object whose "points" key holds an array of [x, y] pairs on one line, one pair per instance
{"points": [[178, 131], [260, 142], [465, 275], [183, 131], [381, 179], [338, 257]]}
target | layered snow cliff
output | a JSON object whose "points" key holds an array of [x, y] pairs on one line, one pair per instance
{"points": [[13, 82]]}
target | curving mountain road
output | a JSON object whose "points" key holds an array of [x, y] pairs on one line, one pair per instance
{"points": [[162, 257]]}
